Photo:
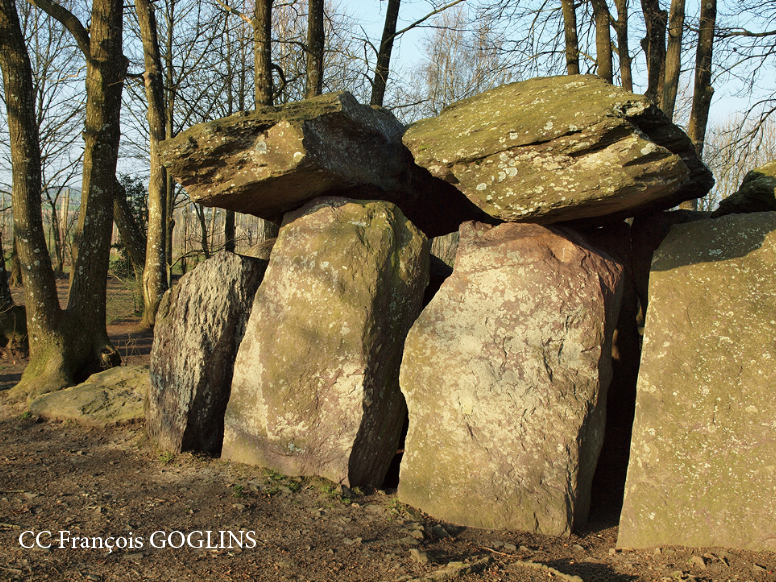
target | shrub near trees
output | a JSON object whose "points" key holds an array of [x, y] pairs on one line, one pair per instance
{"points": [[195, 61]]}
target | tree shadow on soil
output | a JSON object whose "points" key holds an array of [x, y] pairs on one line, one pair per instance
{"points": [[590, 571], [8, 381]]}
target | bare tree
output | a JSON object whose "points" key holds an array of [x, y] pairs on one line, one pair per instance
{"points": [[730, 152], [315, 45], [745, 55], [155, 268], [262, 50], [603, 40], [703, 91], [623, 51], [59, 99], [654, 45], [384, 55], [460, 59], [570, 35], [66, 344], [673, 64]]}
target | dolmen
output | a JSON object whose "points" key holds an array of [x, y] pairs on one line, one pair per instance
{"points": [[502, 379]]}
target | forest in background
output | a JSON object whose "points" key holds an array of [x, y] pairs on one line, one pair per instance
{"points": [[112, 77], [467, 47]]}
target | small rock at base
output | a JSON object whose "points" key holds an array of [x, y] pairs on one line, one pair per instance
{"points": [[419, 556], [697, 561]]}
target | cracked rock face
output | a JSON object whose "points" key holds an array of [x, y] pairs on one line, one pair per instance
{"points": [[276, 159], [702, 469], [316, 381], [505, 375], [560, 148]]}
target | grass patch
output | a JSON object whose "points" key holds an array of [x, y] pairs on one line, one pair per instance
{"points": [[166, 457]]}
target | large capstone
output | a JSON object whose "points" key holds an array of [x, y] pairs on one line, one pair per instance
{"points": [[199, 326], [275, 159], [560, 148], [703, 462], [316, 382], [505, 375]]}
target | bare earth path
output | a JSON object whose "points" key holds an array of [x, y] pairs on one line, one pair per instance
{"points": [[60, 477]]}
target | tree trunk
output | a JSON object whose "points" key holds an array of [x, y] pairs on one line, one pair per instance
{"points": [[66, 346], [54, 232], [267, 230], [200, 210], [262, 52], [155, 271], [315, 44], [703, 91], [384, 56], [623, 51], [213, 222], [673, 57], [13, 326], [603, 40], [40, 290], [229, 231], [572, 43], [64, 215], [655, 48], [6, 299], [169, 65], [131, 235], [16, 266]]}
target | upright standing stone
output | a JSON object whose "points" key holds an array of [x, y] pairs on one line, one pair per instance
{"points": [[199, 326], [505, 374], [703, 462], [316, 383]]}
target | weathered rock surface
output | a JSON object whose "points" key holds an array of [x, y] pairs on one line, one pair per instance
{"points": [[757, 193], [275, 159], [505, 375], [703, 462], [109, 398], [560, 148], [315, 388], [200, 324]]}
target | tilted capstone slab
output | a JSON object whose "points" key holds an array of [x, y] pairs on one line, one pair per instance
{"points": [[276, 159]]}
